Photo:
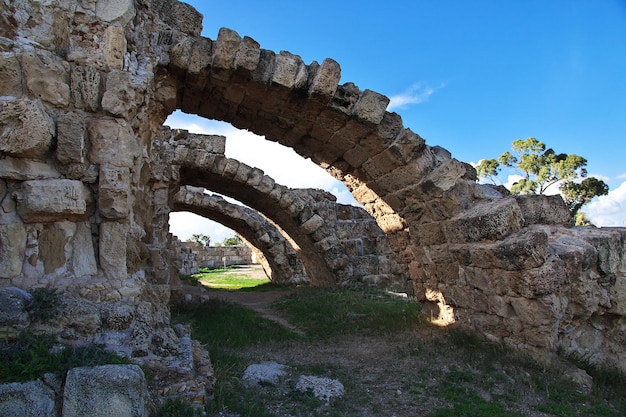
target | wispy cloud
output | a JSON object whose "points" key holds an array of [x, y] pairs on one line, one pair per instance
{"points": [[415, 94]]}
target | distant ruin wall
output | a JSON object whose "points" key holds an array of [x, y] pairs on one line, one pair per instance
{"points": [[215, 257]]}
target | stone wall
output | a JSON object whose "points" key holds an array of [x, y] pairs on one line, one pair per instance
{"points": [[215, 257], [87, 183]]}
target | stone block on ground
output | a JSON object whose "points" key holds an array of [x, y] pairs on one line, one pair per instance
{"points": [[108, 390]]}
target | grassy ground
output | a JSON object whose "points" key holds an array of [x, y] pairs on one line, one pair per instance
{"points": [[229, 278], [389, 359]]}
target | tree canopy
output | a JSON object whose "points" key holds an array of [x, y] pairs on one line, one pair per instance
{"points": [[541, 168], [201, 239]]}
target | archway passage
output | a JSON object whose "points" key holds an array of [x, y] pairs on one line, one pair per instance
{"points": [[283, 260], [336, 243]]}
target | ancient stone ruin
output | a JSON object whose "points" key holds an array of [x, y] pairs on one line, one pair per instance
{"points": [[88, 177]]}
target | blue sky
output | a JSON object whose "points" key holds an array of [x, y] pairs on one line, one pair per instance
{"points": [[471, 76]]}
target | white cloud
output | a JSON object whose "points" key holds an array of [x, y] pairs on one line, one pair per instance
{"points": [[415, 94], [608, 210]]}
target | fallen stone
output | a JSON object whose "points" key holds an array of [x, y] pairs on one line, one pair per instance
{"points": [[108, 390], [321, 387], [267, 373], [30, 399]]}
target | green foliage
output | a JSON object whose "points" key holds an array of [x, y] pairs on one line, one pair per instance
{"points": [[201, 239], [221, 324], [222, 278], [45, 303], [327, 312], [30, 357], [488, 168], [178, 408], [541, 168], [233, 241], [577, 195]]}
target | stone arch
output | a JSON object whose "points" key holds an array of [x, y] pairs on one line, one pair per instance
{"points": [[280, 255], [389, 169], [337, 243]]}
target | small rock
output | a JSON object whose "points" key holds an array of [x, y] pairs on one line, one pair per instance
{"points": [[322, 388], [268, 373]]}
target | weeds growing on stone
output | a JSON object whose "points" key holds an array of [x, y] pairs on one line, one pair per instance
{"points": [[45, 303]]}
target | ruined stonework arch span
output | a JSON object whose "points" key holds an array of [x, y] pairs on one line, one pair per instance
{"points": [[84, 92], [283, 260]]}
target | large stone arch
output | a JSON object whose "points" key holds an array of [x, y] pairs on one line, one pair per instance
{"points": [[284, 264]]}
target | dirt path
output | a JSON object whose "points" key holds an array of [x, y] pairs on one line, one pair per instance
{"points": [[257, 301]]}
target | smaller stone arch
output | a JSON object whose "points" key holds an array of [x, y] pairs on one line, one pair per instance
{"points": [[338, 243], [281, 257]]}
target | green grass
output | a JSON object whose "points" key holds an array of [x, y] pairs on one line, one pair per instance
{"points": [[328, 312], [226, 279], [458, 372], [219, 324]]}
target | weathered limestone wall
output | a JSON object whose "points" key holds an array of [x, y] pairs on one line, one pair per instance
{"points": [[214, 257]]}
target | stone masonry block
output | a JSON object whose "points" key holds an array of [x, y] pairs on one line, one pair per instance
{"points": [[290, 71], [71, 138], [226, 49], [86, 86], [248, 55], [10, 75], [371, 107], [113, 249], [40, 201], [47, 77], [27, 130], [325, 82]]}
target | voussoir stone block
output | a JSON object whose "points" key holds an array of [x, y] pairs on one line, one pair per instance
{"points": [[326, 79], [248, 55], [371, 107], [226, 48], [26, 129], [42, 201], [289, 71]]}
